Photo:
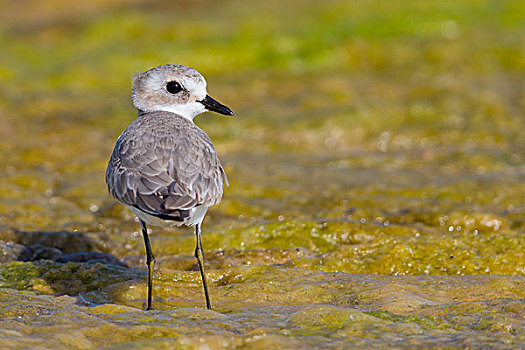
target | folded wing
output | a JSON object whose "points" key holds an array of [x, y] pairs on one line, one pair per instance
{"points": [[165, 174]]}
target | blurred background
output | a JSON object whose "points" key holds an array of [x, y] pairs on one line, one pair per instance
{"points": [[379, 136], [371, 139]]}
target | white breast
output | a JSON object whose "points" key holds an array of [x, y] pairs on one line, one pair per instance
{"points": [[196, 217]]}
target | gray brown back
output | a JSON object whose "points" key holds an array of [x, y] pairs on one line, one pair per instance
{"points": [[165, 165]]}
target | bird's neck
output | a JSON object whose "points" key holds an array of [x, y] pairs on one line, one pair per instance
{"points": [[188, 110], [148, 114]]}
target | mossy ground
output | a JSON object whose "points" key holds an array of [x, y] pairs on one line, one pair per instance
{"points": [[376, 163]]}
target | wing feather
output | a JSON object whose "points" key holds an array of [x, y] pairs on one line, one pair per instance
{"points": [[163, 164]]}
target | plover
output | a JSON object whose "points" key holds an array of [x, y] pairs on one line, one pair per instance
{"points": [[164, 168]]}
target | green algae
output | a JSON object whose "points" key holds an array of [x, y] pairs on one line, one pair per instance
{"points": [[377, 247], [328, 319], [19, 275], [381, 139], [55, 278], [112, 309], [457, 311], [434, 322]]}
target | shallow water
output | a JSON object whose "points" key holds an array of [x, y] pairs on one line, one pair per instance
{"points": [[376, 167]]}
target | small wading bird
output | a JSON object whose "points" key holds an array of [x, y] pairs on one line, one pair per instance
{"points": [[164, 168]]}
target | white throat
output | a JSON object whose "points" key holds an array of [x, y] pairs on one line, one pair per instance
{"points": [[188, 110]]}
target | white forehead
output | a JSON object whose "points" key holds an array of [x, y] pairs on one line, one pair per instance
{"points": [[188, 78]]}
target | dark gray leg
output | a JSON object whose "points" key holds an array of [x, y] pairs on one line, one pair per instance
{"points": [[199, 254], [150, 261]]}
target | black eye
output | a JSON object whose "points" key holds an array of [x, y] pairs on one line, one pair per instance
{"points": [[173, 87]]}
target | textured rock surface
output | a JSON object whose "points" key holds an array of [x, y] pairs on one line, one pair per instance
{"points": [[260, 308], [376, 168]]}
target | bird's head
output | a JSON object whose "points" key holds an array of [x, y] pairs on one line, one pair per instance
{"points": [[174, 88]]}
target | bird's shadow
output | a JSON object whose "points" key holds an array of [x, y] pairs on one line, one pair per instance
{"points": [[60, 246], [59, 263]]}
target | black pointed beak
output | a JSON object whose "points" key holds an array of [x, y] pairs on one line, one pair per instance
{"points": [[215, 106]]}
